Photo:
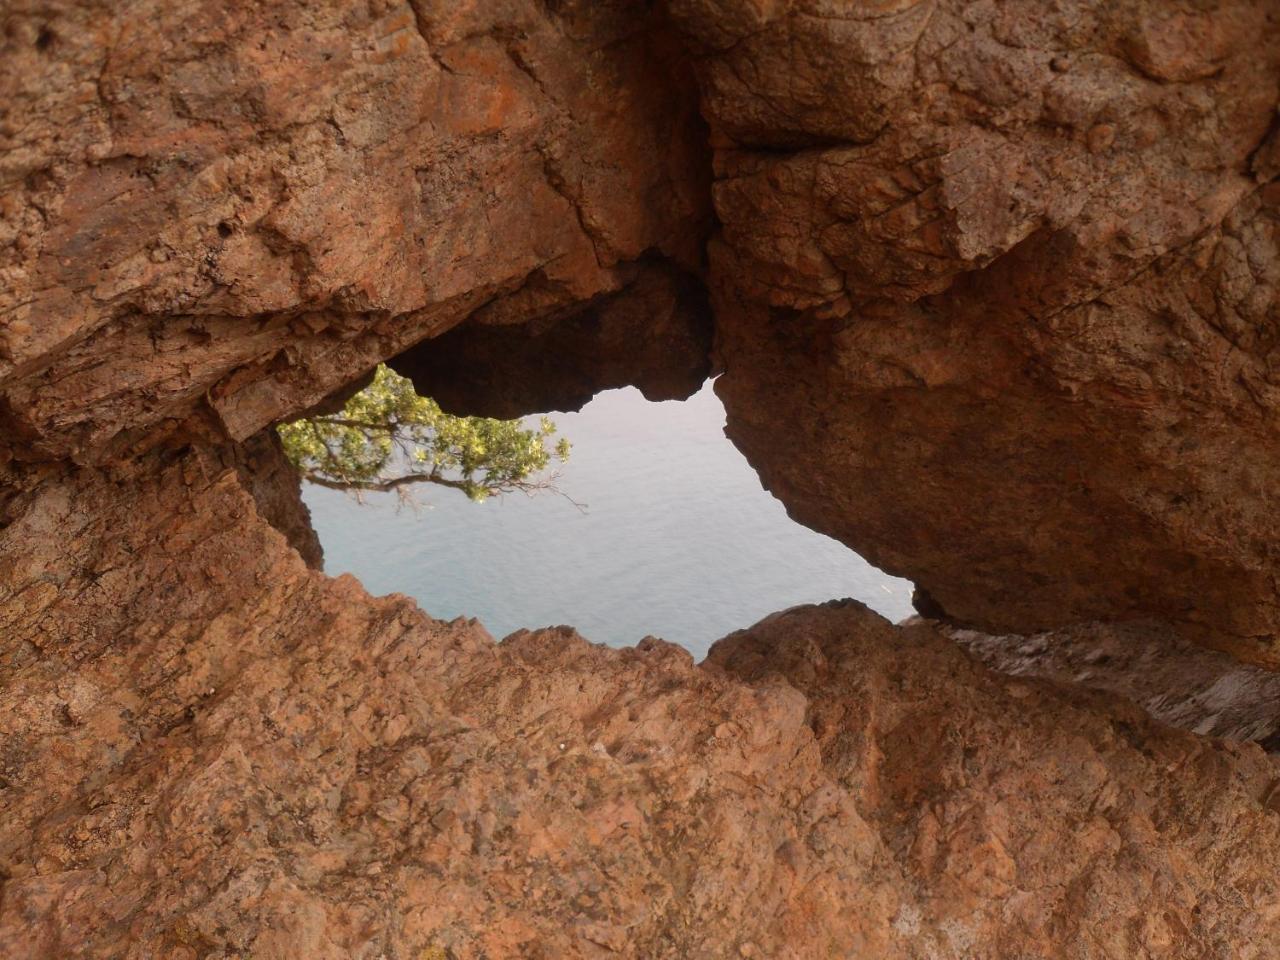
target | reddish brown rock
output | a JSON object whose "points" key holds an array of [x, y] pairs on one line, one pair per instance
{"points": [[215, 759], [997, 295], [1177, 682], [995, 291], [276, 488], [995, 287], [216, 215]]}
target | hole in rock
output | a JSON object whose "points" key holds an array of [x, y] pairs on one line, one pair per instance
{"points": [[678, 538]]}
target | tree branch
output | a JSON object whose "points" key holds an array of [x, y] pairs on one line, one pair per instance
{"points": [[389, 427], [396, 483], [383, 486]]}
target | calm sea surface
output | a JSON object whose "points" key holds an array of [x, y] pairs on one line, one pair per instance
{"points": [[679, 539]]}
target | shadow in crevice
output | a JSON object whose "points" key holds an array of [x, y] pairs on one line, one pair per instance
{"points": [[655, 334]]}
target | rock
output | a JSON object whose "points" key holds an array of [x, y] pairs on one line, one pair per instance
{"points": [[995, 289], [276, 488], [251, 759], [224, 215], [994, 294], [654, 334], [996, 297], [1175, 681]]}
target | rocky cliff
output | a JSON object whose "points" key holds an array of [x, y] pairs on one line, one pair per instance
{"points": [[993, 288], [205, 758], [998, 296]]}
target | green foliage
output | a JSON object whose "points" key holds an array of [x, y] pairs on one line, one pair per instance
{"points": [[387, 437]]}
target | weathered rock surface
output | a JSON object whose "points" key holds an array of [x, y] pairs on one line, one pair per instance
{"points": [[997, 292], [995, 286], [207, 759], [276, 488], [214, 216], [1178, 682]]}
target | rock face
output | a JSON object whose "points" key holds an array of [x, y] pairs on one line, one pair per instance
{"points": [[994, 287], [1177, 682], [215, 216], [204, 759], [997, 292]]}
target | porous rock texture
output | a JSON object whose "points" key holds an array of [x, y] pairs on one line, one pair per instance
{"points": [[204, 759], [994, 291]]}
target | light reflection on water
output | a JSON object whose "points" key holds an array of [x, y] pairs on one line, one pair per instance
{"points": [[679, 539]]}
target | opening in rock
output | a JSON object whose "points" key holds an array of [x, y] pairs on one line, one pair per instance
{"points": [[678, 540]]}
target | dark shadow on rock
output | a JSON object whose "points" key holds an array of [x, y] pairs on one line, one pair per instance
{"points": [[655, 334]]}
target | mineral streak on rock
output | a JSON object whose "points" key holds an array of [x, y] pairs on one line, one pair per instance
{"points": [[1177, 682]]}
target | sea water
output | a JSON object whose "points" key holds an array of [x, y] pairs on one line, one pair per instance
{"points": [[678, 538]]}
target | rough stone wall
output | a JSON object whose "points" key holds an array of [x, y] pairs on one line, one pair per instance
{"points": [[217, 214], [216, 760], [997, 291], [994, 287]]}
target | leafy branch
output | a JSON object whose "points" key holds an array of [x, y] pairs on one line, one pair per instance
{"points": [[387, 438]]}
